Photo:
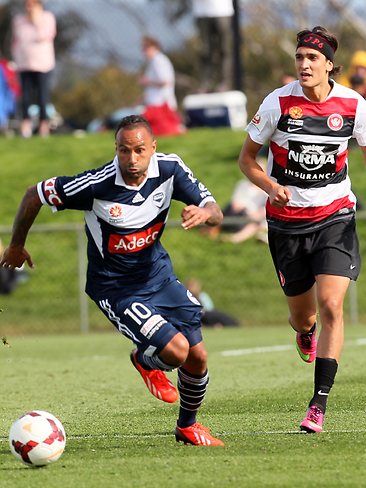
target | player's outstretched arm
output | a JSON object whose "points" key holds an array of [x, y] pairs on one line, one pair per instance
{"points": [[210, 214], [15, 255]]}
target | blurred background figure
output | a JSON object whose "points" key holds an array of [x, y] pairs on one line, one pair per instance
{"points": [[214, 23], [244, 215], [287, 78], [358, 83], [356, 71], [10, 278], [211, 317], [9, 93], [33, 34], [249, 202], [158, 82]]}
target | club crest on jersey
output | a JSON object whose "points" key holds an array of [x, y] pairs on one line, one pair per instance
{"points": [[335, 122], [158, 199], [115, 213], [256, 119], [296, 112], [50, 192]]}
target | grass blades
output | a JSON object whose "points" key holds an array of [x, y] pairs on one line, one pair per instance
{"points": [[119, 435]]}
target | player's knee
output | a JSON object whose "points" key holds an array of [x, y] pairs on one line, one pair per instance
{"points": [[331, 308], [176, 351], [302, 322], [198, 359]]}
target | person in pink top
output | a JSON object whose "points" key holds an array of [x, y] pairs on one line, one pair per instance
{"points": [[33, 34]]}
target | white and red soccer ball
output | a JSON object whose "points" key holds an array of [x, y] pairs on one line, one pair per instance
{"points": [[37, 438]]}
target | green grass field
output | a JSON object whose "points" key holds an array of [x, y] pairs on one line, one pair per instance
{"points": [[118, 435]]}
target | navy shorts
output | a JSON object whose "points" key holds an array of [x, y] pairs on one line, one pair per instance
{"points": [[152, 319], [299, 258]]}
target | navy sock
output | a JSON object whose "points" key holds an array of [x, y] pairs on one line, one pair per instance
{"points": [[192, 390]]}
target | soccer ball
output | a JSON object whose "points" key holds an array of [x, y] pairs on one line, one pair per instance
{"points": [[37, 438]]}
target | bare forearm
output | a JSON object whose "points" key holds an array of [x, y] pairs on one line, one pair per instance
{"points": [[254, 172], [216, 214], [26, 214]]}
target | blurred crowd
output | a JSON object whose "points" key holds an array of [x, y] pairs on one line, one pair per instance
{"points": [[26, 107]]}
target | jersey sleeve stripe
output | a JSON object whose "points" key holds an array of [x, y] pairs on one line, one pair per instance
{"points": [[90, 181], [90, 178]]}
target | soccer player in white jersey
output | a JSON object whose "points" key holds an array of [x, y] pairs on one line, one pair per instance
{"points": [[130, 275], [310, 206]]}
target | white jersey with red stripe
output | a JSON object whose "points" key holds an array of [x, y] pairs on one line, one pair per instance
{"points": [[308, 153], [124, 223]]}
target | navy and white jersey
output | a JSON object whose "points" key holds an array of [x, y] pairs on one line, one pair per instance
{"points": [[124, 223], [309, 153]]}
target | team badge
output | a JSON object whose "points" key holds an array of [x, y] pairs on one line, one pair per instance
{"points": [[158, 199], [50, 192], [295, 112], [256, 119], [335, 122], [115, 213]]}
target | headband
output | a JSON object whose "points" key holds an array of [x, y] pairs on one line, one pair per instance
{"points": [[315, 41]]}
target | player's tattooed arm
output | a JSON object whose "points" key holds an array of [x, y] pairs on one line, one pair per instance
{"points": [[216, 215], [209, 214], [15, 255]]}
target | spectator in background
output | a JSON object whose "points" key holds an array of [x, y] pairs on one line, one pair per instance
{"points": [[214, 24], [248, 201], [10, 278], [244, 215], [355, 72], [9, 92], [33, 34], [358, 84], [158, 82], [287, 78], [211, 317]]}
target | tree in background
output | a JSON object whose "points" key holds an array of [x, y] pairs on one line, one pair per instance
{"points": [[97, 96]]}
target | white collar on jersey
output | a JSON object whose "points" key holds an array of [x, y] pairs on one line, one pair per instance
{"points": [[152, 172]]}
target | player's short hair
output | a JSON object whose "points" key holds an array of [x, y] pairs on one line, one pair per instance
{"points": [[131, 122]]}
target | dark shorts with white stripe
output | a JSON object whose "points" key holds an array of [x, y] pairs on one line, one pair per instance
{"points": [[299, 258], [152, 319]]}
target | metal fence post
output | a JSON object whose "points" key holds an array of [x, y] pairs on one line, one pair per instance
{"points": [[83, 299]]}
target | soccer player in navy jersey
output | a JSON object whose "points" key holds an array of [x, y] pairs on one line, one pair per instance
{"points": [[310, 206], [130, 275]]}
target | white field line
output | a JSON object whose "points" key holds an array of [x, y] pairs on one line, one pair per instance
{"points": [[278, 348], [220, 434]]}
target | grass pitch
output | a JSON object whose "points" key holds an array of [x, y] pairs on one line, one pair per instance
{"points": [[118, 435]]}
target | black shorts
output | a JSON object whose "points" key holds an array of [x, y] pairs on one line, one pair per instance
{"points": [[299, 258]]}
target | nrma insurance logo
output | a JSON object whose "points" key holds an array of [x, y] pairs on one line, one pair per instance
{"points": [[311, 161]]}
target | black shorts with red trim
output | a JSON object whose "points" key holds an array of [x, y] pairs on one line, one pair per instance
{"points": [[299, 258]]}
